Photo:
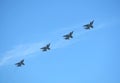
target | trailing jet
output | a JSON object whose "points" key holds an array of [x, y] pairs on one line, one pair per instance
{"points": [[45, 48], [90, 25], [68, 36], [19, 64]]}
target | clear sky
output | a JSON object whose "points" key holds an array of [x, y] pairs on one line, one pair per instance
{"points": [[92, 56]]}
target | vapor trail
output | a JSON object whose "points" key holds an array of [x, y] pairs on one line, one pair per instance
{"points": [[24, 50]]}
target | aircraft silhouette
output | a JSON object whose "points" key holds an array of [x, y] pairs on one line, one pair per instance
{"points": [[68, 36], [45, 48], [19, 64], [88, 26]]}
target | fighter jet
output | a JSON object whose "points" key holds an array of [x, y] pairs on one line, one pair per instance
{"points": [[45, 48], [19, 64], [68, 36], [88, 26]]}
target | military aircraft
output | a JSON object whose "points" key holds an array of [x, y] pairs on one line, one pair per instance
{"points": [[19, 64], [68, 36], [45, 48], [90, 25]]}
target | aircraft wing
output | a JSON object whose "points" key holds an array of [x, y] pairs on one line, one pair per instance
{"points": [[66, 35], [87, 25], [43, 49], [71, 33], [48, 45], [67, 38], [91, 22], [18, 64], [22, 61]]}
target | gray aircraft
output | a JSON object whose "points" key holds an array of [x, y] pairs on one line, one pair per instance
{"points": [[19, 64], [88, 26], [68, 36], [45, 48]]}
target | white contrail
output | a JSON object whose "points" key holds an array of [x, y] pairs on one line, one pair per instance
{"points": [[59, 42], [20, 51]]}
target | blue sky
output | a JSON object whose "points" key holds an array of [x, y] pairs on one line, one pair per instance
{"points": [[90, 57]]}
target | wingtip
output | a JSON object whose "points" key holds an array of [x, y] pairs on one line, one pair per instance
{"points": [[92, 21]]}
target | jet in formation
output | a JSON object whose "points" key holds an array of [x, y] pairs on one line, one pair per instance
{"points": [[88, 26], [45, 48], [19, 64], [68, 36]]}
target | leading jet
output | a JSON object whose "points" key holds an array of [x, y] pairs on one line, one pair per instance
{"points": [[68, 36], [45, 48], [88, 26], [19, 64]]}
